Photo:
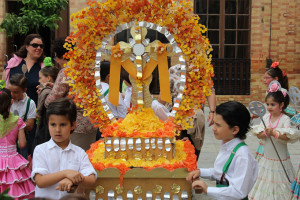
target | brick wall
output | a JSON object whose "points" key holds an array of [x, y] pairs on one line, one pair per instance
{"points": [[285, 45], [2, 39]]}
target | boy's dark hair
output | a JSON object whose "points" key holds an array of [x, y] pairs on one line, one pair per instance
{"points": [[18, 80], [62, 106], [58, 47], [279, 98], [22, 52], [235, 114], [277, 72], [5, 99], [104, 69], [50, 71]]}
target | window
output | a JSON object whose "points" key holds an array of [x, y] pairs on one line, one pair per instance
{"points": [[228, 25]]}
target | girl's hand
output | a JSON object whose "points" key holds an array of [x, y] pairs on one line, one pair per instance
{"points": [[269, 131], [193, 176], [49, 84], [201, 184], [75, 176], [64, 185]]}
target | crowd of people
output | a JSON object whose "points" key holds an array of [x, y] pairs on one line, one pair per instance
{"points": [[44, 136]]}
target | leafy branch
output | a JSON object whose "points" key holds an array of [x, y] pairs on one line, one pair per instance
{"points": [[33, 15]]}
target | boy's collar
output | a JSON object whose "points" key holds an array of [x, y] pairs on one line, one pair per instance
{"points": [[231, 144], [52, 144], [24, 99]]}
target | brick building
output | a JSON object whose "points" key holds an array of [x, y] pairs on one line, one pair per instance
{"points": [[244, 34]]}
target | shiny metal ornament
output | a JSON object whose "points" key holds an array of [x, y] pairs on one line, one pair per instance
{"points": [[168, 144], [111, 195], [138, 144], [175, 197], [147, 144], [99, 189], [139, 198], [116, 144], [149, 195], [92, 195], [184, 195], [167, 196], [123, 144], [24, 69], [119, 198], [130, 143], [129, 195], [119, 189], [157, 189], [160, 144], [175, 188], [157, 197], [153, 145], [138, 190], [108, 144]]}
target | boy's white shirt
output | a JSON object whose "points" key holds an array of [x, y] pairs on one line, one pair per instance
{"points": [[119, 111], [19, 108], [242, 172], [50, 158]]}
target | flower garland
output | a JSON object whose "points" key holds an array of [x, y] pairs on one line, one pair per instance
{"points": [[140, 123], [184, 158], [93, 23]]}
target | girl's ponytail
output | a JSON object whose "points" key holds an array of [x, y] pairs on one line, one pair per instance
{"points": [[285, 81], [5, 99]]}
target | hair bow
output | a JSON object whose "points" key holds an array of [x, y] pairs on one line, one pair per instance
{"points": [[47, 62], [275, 64]]}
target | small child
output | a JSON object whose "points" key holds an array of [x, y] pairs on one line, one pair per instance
{"points": [[273, 182], [46, 75], [58, 164], [24, 107], [15, 174], [235, 169]]}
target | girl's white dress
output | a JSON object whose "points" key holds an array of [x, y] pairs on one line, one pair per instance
{"points": [[272, 183]]}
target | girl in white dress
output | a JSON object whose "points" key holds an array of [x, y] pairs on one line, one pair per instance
{"points": [[272, 182]]}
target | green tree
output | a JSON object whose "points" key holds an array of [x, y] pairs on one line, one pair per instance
{"points": [[33, 15]]}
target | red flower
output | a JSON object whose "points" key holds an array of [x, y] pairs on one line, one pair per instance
{"points": [[275, 64]]}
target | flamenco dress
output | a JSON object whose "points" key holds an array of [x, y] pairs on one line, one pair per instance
{"points": [[14, 173]]}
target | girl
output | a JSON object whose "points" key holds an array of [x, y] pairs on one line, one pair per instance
{"points": [[295, 189], [14, 173], [274, 73], [272, 182], [47, 75]]}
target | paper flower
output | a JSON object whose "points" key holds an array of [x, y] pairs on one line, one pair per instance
{"points": [[274, 87], [275, 64]]}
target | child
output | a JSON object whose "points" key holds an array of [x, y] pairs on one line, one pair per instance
{"points": [[46, 75], [58, 164], [274, 73], [234, 179], [272, 181], [14, 172], [295, 189], [24, 107]]}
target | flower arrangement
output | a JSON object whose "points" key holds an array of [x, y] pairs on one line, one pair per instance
{"points": [[140, 124], [93, 23], [184, 158]]}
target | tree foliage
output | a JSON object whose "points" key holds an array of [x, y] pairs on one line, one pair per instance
{"points": [[33, 15]]}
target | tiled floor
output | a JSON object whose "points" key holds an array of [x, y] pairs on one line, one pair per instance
{"points": [[211, 148]]}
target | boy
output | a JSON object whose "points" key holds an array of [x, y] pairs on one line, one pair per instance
{"points": [[58, 164], [119, 111], [234, 179], [24, 107]]}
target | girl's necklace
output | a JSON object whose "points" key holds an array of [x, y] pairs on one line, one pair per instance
{"points": [[276, 122]]}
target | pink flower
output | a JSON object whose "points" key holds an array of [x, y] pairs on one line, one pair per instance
{"points": [[274, 64], [274, 87]]}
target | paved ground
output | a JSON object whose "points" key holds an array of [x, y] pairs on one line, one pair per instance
{"points": [[211, 148]]}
